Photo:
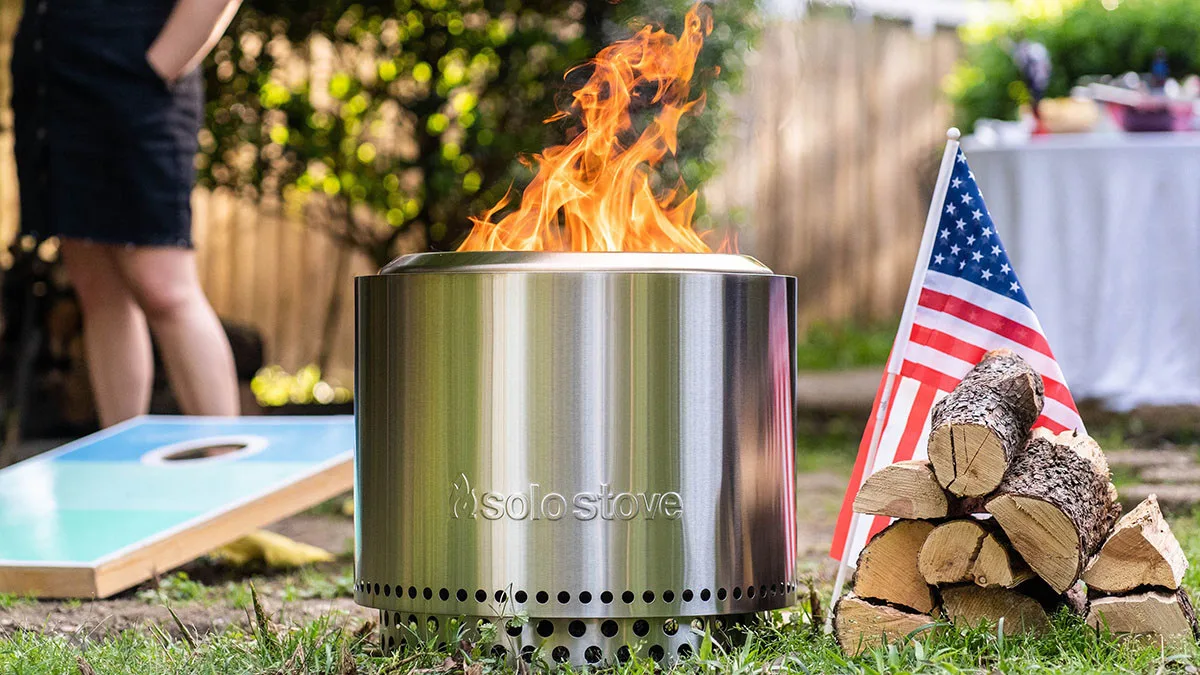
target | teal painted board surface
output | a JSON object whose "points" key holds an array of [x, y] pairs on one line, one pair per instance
{"points": [[114, 492]]}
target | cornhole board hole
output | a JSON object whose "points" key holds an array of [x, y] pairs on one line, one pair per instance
{"points": [[114, 509]]}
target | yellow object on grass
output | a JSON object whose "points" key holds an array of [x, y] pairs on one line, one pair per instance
{"points": [[274, 549]]}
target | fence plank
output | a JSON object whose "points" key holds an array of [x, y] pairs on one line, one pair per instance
{"points": [[847, 119]]}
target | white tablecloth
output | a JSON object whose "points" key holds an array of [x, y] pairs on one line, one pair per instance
{"points": [[1104, 233]]}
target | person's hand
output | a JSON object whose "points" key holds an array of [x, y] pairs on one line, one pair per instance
{"points": [[154, 59]]}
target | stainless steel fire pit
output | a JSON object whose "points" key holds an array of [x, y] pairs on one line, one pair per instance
{"points": [[592, 452]]}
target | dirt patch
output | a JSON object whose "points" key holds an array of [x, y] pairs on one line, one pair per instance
{"points": [[819, 497], [107, 617]]}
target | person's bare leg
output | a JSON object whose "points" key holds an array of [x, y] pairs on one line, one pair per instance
{"points": [[115, 338], [194, 347]]}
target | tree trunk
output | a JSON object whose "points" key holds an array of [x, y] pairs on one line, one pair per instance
{"points": [[979, 426], [1056, 505]]}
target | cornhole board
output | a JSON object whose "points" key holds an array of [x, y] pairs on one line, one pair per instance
{"points": [[116, 508]]}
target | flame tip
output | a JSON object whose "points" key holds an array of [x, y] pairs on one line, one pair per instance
{"points": [[594, 193]]}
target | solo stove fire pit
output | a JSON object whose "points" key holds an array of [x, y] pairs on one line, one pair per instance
{"points": [[592, 452]]}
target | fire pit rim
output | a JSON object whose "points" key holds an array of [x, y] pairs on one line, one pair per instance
{"points": [[563, 261]]}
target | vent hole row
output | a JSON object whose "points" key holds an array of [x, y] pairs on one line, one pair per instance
{"points": [[584, 597], [544, 627], [562, 654]]}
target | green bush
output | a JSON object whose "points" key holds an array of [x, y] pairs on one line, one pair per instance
{"points": [[410, 114], [1083, 39]]}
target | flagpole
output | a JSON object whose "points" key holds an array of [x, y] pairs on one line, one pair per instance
{"points": [[928, 238]]}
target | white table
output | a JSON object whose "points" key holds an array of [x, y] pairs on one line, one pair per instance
{"points": [[1104, 232]]}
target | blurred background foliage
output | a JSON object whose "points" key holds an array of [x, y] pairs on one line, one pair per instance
{"points": [[1084, 37], [408, 116]]}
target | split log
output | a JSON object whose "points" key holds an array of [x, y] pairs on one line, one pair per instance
{"points": [[887, 567], [1165, 615], [971, 605], [971, 551], [979, 426], [903, 490], [997, 564], [1056, 505], [948, 555], [1141, 551], [861, 626]]}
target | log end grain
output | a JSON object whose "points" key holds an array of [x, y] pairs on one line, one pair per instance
{"points": [[1162, 615], [1043, 535], [971, 605], [903, 490], [968, 459], [997, 564], [887, 567], [1141, 551], [1057, 507], [861, 626], [950, 551]]}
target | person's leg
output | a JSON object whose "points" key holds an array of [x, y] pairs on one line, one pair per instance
{"points": [[115, 338], [194, 347]]}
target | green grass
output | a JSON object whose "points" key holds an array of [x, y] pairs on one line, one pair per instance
{"points": [[846, 345], [10, 600], [176, 588], [329, 646]]}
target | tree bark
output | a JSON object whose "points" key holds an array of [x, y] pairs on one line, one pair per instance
{"points": [[978, 428], [1056, 505]]}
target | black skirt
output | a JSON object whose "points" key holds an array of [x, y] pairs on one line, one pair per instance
{"points": [[104, 147]]}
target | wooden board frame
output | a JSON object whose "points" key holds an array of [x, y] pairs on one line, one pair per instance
{"points": [[175, 546]]}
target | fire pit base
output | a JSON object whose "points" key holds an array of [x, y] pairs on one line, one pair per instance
{"points": [[579, 642]]}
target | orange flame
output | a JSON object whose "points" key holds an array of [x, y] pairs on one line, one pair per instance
{"points": [[593, 194]]}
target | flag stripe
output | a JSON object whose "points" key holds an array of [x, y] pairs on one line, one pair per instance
{"points": [[1061, 414], [859, 473], [915, 434], [986, 318], [1050, 425], [976, 294], [971, 353], [926, 375], [895, 428], [969, 332]]}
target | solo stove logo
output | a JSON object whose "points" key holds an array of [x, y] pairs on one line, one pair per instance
{"points": [[532, 504]]}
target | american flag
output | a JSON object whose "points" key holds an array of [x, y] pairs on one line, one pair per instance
{"points": [[970, 302]]}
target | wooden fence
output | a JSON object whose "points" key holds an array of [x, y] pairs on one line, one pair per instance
{"points": [[833, 158], [829, 165]]}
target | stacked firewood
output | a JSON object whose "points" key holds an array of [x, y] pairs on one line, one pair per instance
{"points": [[1005, 523]]}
